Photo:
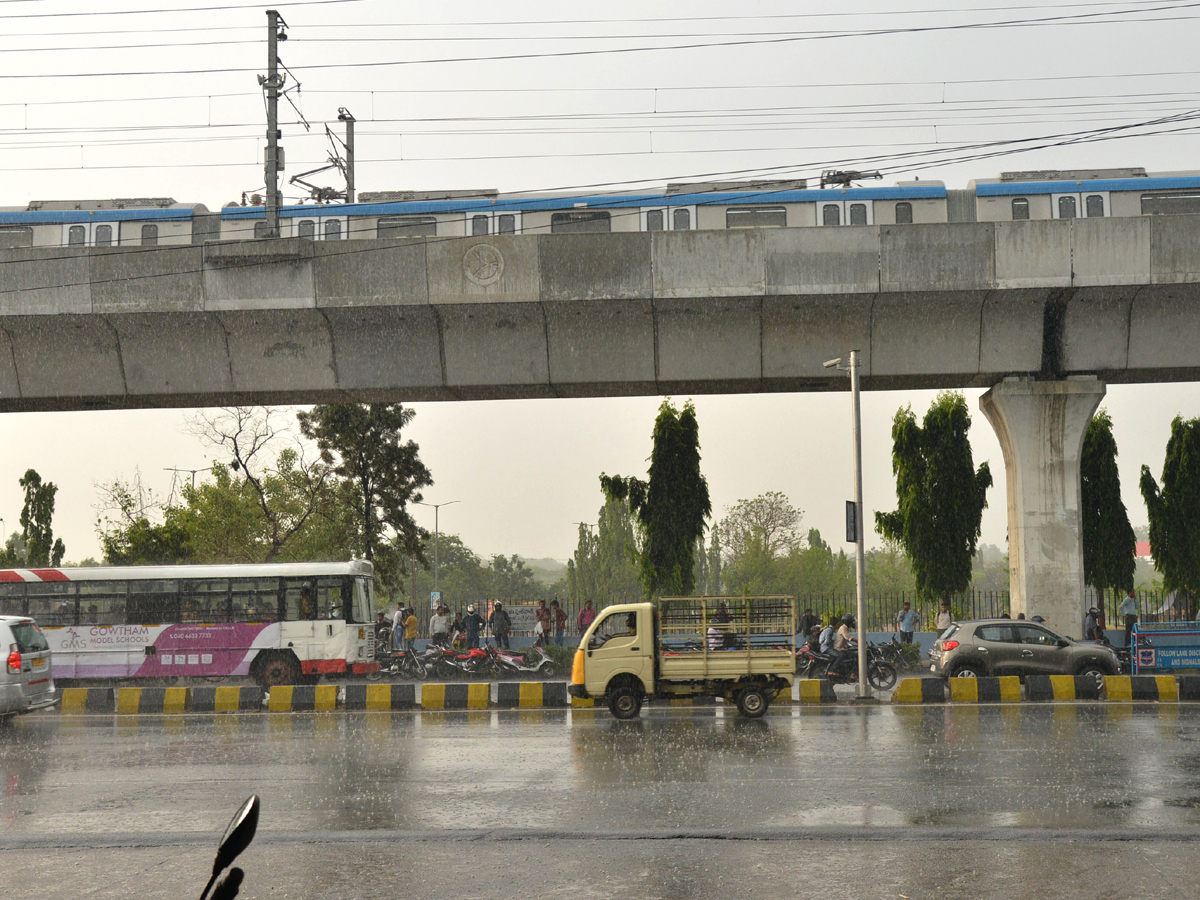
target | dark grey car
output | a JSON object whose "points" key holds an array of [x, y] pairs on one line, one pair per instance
{"points": [[1016, 647]]}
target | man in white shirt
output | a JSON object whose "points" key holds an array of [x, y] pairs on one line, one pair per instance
{"points": [[398, 627], [1128, 610], [944, 619], [439, 627]]}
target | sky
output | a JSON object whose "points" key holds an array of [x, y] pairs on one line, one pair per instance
{"points": [[122, 99]]}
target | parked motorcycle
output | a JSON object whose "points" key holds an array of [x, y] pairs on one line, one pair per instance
{"points": [[237, 837], [535, 662], [446, 663], [400, 664], [881, 674]]}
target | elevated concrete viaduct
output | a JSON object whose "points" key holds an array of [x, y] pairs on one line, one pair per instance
{"points": [[1043, 312]]}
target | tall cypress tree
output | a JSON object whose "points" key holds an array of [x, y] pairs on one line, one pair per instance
{"points": [[671, 506], [37, 516], [1174, 509], [1108, 539], [940, 495]]}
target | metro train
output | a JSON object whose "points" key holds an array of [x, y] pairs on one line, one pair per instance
{"points": [[1057, 194]]}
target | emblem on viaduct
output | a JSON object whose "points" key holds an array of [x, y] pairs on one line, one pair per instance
{"points": [[483, 264]]}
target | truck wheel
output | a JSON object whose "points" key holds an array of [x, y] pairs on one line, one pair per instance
{"points": [[625, 703], [752, 702]]}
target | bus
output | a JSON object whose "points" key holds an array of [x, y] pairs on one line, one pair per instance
{"points": [[278, 623]]}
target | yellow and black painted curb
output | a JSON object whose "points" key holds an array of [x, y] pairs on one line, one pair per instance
{"points": [[530, 694], [225, 698], [88, 700], [815, 690], [920, 690], [1005, 689], [1061, 687], [1161, 688], [379, 696], [303, 698], [149, 700], [1141, 687], [456, 696]]}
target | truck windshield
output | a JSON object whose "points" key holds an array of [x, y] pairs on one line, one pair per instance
{"points": [[615, 625]]}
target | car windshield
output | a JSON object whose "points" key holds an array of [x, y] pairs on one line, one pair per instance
{"points": [[29, 638]]}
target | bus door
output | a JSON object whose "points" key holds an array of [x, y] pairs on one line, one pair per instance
{"points": [[298, 613]]}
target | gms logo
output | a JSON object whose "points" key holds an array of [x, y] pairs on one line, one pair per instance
{"points": [[1147, 658], [74, 642]]}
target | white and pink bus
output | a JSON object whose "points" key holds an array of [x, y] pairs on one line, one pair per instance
{"points": [[279, 623]]}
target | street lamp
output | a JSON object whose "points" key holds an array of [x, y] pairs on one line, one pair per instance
{"points": [[854, 530], [436, 560]]}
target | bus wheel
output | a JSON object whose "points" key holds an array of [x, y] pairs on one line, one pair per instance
{"points": [[278, 669]]}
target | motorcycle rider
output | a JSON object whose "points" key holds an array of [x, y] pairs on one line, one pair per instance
{"points": [[474, 624], [841, 646], [825, 641]]}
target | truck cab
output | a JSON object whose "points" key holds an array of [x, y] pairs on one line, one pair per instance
{"points": [[737, 648]]}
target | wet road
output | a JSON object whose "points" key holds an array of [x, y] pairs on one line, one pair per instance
{"points": [[964, 801]]}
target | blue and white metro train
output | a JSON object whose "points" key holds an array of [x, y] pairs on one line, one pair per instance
{"points": [[681, 207]]}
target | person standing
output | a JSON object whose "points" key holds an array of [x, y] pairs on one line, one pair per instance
{"points": [[586, 617], [560, 623], [410, 630], [398, 618], [500, 624], [542, 629], [906, 622], [1128, 611], [1090, 625], [944, 619], [474, 624], [439, 627], [458, 632], [807, 621]]}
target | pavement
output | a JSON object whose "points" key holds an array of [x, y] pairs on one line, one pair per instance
{"points": [[971, 801]]}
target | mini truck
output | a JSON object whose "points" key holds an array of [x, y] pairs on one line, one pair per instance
{"points": [[738, 648]]}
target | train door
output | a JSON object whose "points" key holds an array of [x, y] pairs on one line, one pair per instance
{"points": [[845, 212], [481, 224], [1083, 205]]}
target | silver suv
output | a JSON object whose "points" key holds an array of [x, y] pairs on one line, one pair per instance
{"points": [[1016, 647], [26, 674]]}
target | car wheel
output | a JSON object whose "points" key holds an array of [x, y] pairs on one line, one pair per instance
{"points": [[1094, 670], [969, 670], [752, 702], [625, 703]]}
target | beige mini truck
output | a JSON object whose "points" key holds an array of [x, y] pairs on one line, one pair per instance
{"points": [[738, 648]]}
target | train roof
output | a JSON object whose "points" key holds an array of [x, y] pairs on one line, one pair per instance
{"points": [[178, 212], [992, 188]]}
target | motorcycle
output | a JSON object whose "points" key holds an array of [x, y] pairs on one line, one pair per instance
{"points": [[881, 674], [446, 663], [400, 663], [535, 662], [237, 837]]}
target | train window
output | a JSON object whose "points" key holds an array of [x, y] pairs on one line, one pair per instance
{"points": [[904, 213], [77, 236], [307, 229], [1171, 203], [406, 226], [261, 230], [479, 225], [1020, 208], [1093, 206], [506, 224], [16, 236], [858, 214], [654, 220], [681, 219], [149, 235], [333, 229], [577, 222], [831, 214], [760, 217], [104, 236], [1067, 207]]}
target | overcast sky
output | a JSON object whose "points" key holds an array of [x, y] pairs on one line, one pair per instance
{"points": [[540, 96]]}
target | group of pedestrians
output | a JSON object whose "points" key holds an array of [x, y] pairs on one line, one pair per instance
{"points": [[467, 630]]}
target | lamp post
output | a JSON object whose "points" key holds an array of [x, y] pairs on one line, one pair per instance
{"points": [[436, 533], [860, 577]]}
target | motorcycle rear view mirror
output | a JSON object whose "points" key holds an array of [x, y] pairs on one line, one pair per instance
{"points": [[238, 835]]}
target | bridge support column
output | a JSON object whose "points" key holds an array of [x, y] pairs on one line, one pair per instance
{"points": [[1041, 425]]}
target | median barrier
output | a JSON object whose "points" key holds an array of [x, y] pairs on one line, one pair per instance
{"points": [[379, 696], [226, 698], [148, 700], [530, 694], [1189, 687], [455, 696], [815, 690], [302, 698], [88, 700], [1061, 687], [1005, 689], [920, 690], [1141, 687]]}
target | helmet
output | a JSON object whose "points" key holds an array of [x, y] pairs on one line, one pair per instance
{"points": [[1037, 619], [470, 607], [1093, 611], [849, 621], [497, 604]]}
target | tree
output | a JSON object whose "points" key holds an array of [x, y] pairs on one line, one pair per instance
{"points": [[603, 568], [1109, 545], [768, 517], [381, 474], [940, 495], [671, 506], [285, 486], [42, 549], [1174, 509]]}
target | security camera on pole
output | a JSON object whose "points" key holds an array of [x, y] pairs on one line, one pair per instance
{"points": [[854, 521]]}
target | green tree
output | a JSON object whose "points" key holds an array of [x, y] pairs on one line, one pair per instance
{"points": [[1174, 509], [603, 568], [940, 495], [1108, 539], [37, 517], [381, 474], [769, 517], [671, 506], [712, 587]]}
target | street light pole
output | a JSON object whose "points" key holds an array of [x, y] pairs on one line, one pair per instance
{"points": [[436, 536], [860, 576]]}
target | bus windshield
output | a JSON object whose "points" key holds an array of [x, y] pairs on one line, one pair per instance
{"points": [[362, 601]]}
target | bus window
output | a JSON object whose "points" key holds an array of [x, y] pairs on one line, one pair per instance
{"points": [[904, 213], [254, 600], [102, 602], [681, 219], [300, 600], [479, 225], [1020, 208], [204, 601], [331, 597], [152, 602], [52, 603], [12, 599]]}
